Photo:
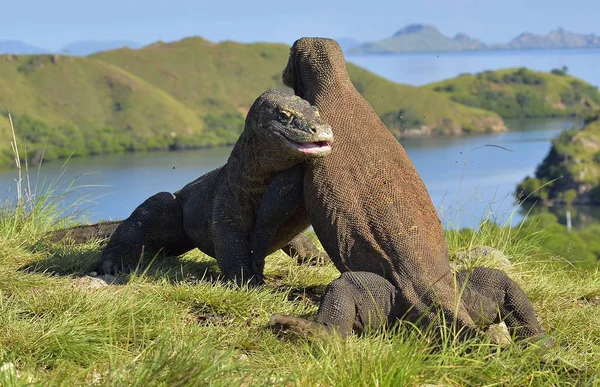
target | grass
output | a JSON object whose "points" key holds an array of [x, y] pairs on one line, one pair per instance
{"points": [[172, 325]]}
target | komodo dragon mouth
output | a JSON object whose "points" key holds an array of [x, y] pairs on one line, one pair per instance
{"points": [[298, 126], [320, 148]]}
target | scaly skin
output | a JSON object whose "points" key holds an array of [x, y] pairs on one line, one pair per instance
{"points": [[359, 301], [83, 233], [367, 203], [216, 212]]}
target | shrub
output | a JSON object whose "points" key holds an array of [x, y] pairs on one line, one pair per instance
{"points": [[560, 72], [569, 196]]}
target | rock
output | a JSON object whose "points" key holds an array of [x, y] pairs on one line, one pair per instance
{"points": [[499, 334], [8, 367], [95, 281], [492, 257]]}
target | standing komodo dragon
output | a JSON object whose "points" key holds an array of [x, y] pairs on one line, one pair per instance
{"points": [[372, 213], [216, 212]]}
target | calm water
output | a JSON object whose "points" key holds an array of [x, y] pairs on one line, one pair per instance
{"points": [[420, 69], [467, 180]]}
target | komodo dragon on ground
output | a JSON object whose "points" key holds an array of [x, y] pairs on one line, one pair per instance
{"points": [[216, 212], [372, 213], [360, 300]]}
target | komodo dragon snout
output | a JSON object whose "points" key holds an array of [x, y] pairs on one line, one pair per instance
{"points": [[295, 124]]}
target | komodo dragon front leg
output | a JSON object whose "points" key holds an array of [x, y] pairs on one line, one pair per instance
{"points": [[358, 301], [279, 203]]}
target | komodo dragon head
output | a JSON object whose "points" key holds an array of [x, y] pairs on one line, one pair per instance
{"points": [[311, 59], [289, 123]]}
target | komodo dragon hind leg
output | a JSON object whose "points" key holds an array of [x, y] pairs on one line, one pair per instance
{"points": [[155, 226], [492, 296]]}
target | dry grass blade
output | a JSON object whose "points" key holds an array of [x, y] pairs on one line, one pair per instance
{"points": [[15, 149]]}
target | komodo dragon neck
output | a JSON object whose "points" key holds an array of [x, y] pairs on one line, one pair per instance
{"points": [[374, 203], [319, 92], [251, 166]]}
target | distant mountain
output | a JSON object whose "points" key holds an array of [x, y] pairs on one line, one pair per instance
{"points": [[469, 43], [88, 47], [427, 38], [418, 37], [82, 48], [559, 38], [17, 47]]}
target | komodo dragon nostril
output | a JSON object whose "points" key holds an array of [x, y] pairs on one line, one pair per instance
{"points": [[312, 129]]}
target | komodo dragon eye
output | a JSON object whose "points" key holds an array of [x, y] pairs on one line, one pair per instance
{"points": [[285, 117]]}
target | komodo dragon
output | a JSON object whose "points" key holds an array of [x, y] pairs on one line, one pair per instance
{"points": [[216, 212], [372, 212]]}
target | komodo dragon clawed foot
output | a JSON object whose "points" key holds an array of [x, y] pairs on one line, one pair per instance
{"points": [[154, 227], [286, 326]]}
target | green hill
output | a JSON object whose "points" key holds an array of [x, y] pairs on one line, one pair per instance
{"points": [[186, 94], [408, 110], [222, 78], [522, 93], [83, 105], [570, 173]]}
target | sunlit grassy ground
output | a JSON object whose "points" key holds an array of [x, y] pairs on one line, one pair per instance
{"points": [[174, 326]]}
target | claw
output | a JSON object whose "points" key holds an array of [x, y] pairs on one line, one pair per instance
{"points": [[284, 325]]}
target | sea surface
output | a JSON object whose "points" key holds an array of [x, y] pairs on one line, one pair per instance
{"points": [[423, 68], [469, 178]]}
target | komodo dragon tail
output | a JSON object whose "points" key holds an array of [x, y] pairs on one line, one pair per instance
{"points": [[302, 248], [84, 233]]}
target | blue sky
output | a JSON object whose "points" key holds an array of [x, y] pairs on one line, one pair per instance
{"points": [[55, 23]]}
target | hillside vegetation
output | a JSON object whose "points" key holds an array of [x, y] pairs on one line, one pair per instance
{"points": [[570, 173], [522, 93], [187, 94], [579, 246], [223, 79]]}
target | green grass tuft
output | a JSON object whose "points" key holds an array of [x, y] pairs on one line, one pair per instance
{"points": [[175, 325]]}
